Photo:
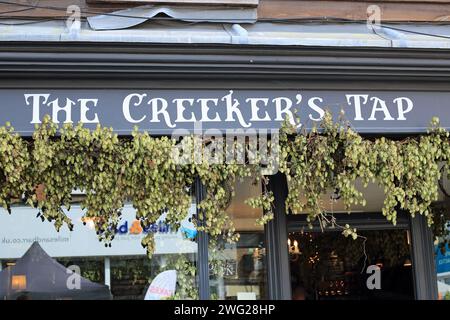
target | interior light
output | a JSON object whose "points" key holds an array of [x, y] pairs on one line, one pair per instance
{"points": [[19, 282]]}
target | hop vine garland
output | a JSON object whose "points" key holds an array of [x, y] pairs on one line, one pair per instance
{"points": [[333, 156], [44, 170]]}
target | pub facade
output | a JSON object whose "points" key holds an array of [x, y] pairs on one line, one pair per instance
{"points": [[170, 78]]}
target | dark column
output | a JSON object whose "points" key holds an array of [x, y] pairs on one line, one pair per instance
{"points": [[425, 281], [202, 241], [278, 273]]}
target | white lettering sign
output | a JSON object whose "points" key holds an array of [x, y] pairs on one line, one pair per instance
{"points": [[230, 110]]}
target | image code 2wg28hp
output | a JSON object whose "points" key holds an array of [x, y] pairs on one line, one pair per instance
{"points": [[245, 309]]}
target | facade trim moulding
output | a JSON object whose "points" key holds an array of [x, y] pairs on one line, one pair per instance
{"points": [[139, 61]]}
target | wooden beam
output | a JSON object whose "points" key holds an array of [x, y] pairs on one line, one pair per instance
{"points": [[341, 9]]}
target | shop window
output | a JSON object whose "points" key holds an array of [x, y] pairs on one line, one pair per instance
{"points": [[442, 256], [442, 239], [238, 270], [131, 276], [327, 266], [91, 268], [122, 271]]}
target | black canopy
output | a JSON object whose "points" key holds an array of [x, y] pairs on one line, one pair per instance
{"points": [[37, 276]]}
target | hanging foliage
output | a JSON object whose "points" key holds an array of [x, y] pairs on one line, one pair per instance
{"points": [[334, 157], [14, 164], [156, 174]]}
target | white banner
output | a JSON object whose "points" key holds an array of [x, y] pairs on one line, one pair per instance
{"points": [[20, 229], [163, 286]]}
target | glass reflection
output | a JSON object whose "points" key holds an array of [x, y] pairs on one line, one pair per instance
{"points": [[238, 270]]}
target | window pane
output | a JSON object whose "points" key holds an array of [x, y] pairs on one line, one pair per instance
{"points": [[443, 270], [92, 268], [442, 261], [442, 238], [131, 276], [328, 266], [238, 271], [122, 271]]}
